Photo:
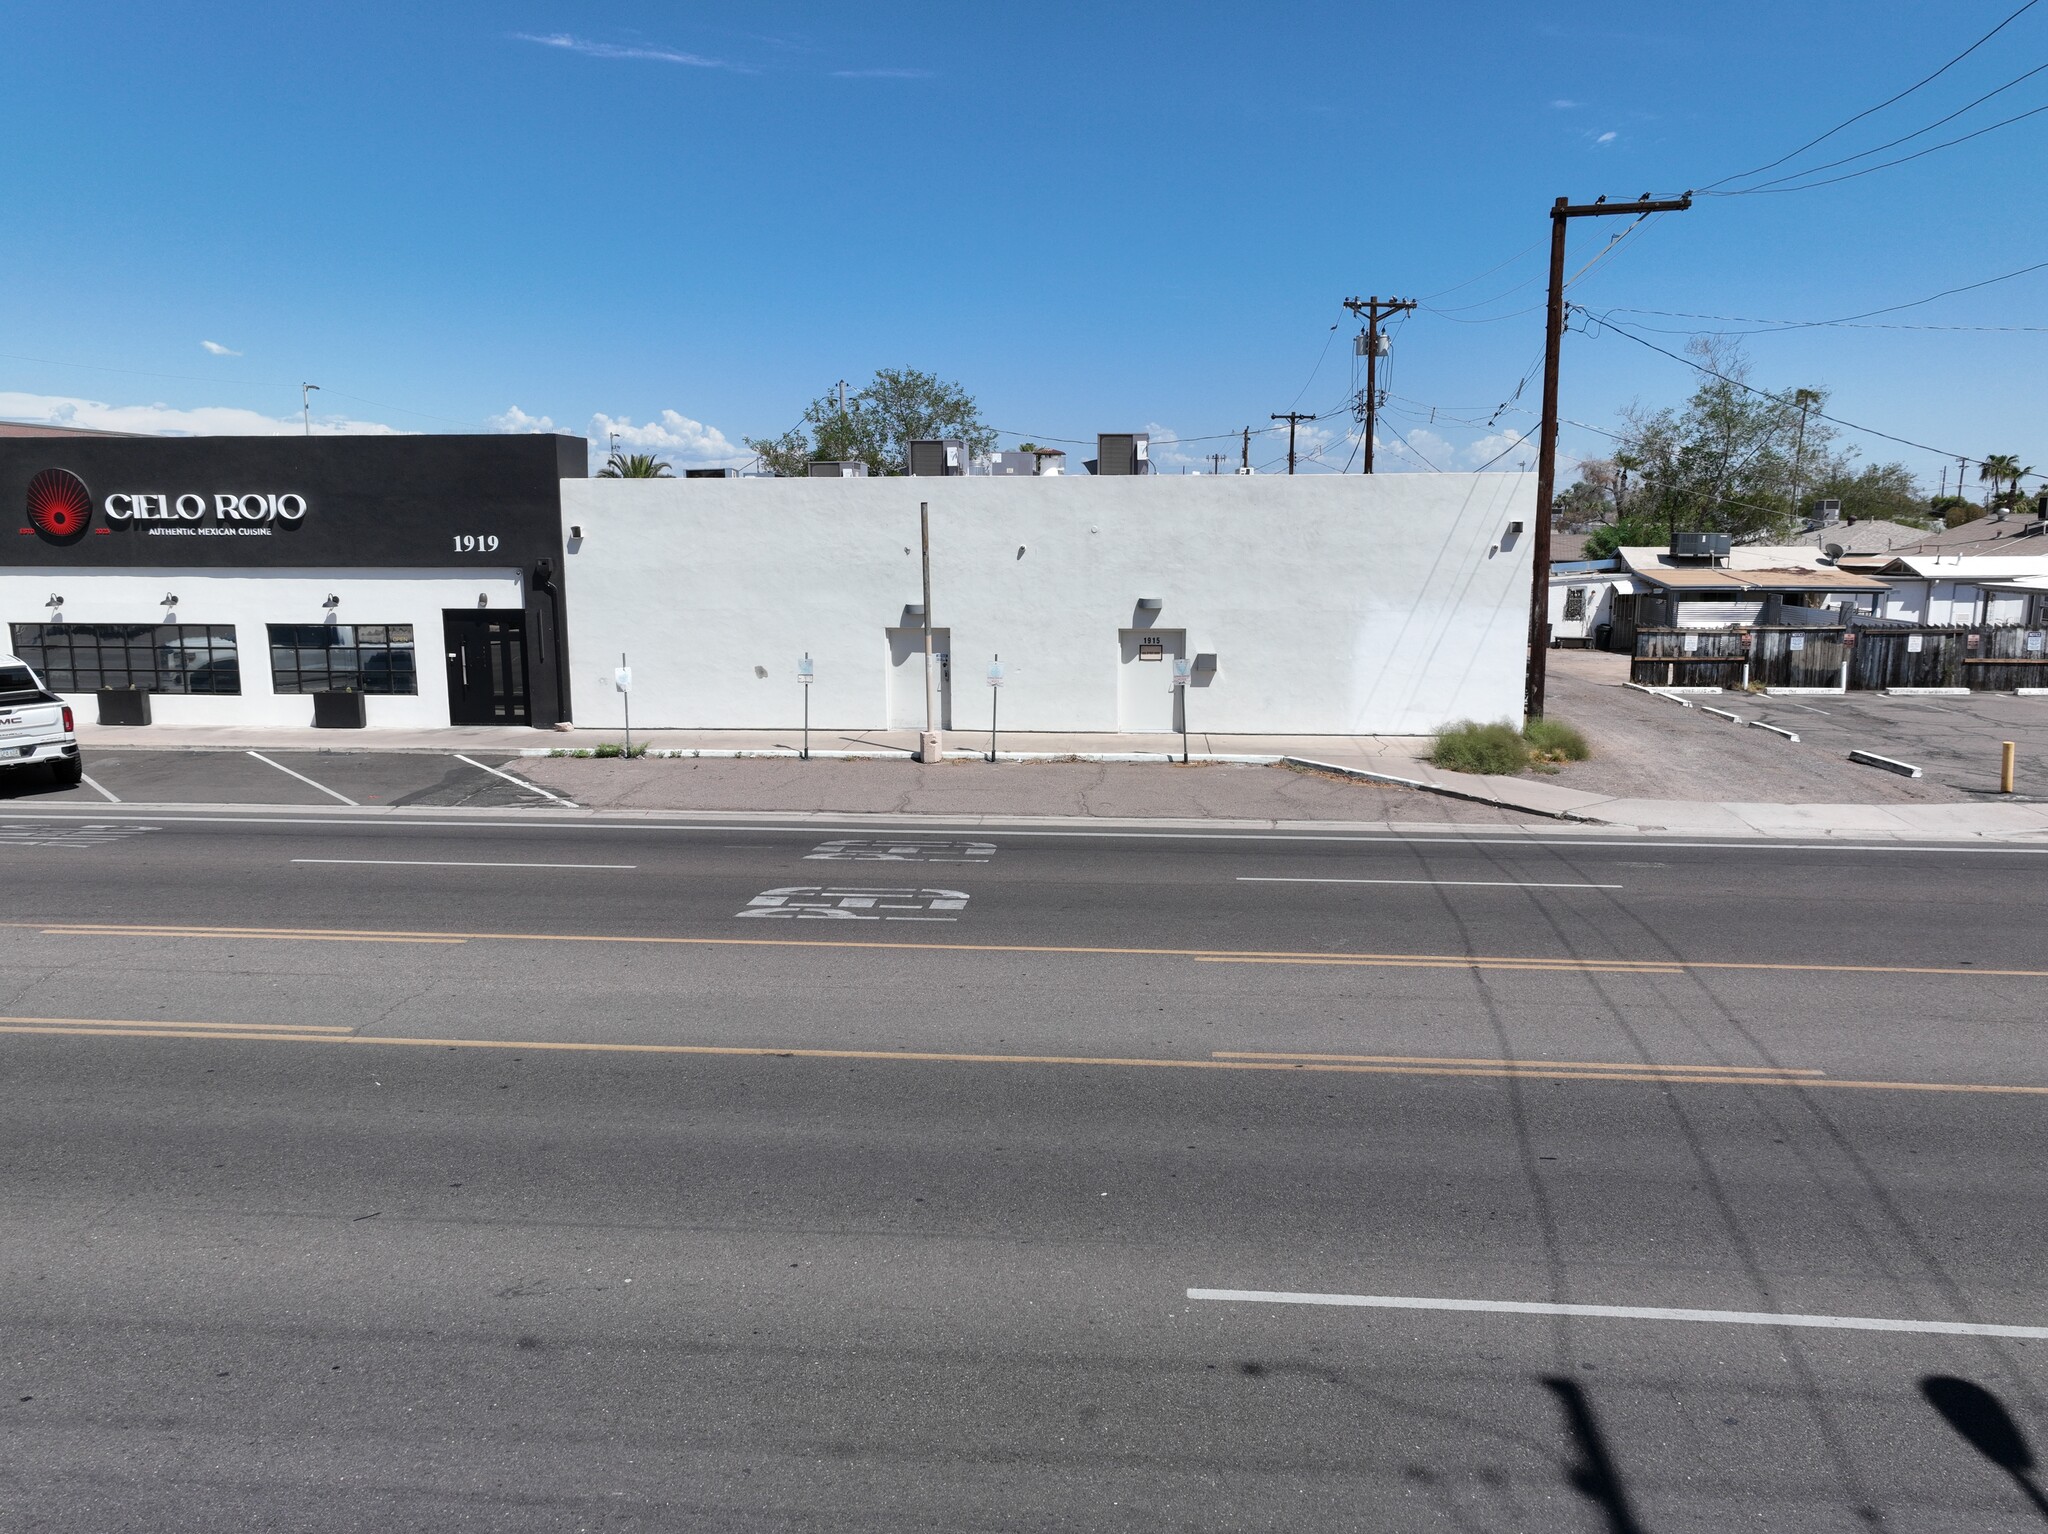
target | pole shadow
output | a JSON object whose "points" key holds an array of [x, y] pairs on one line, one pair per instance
{"points": [[1594, 1476], [1981, 1421]]}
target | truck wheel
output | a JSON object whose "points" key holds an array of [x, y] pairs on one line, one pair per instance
{"points": [[69, 771]]}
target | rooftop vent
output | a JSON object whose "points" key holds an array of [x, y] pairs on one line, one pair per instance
{"points": [[937, 457], [838, 468], [1123, 453]]}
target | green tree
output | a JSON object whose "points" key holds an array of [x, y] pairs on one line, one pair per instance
{"points": [[898, 406], [634, 466], [1874, 492]]}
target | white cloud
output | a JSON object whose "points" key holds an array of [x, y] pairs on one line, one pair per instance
{"points": [[674, 435], [881, 74], [1607, 138], [517, 420], [1562, 105], [172, 421], [1501, 445], [218, 350], [596, 50]]}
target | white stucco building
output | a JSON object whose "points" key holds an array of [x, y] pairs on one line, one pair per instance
{"points": [[1322, 604]]}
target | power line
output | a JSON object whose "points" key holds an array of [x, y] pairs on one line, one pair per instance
{"points": [[1889, 101], [1871, 431], [1864, 154], [1871, 170], [1913, 303]]}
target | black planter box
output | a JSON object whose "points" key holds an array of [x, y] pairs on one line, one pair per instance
{"points": [[124, 705], [337, 711]]}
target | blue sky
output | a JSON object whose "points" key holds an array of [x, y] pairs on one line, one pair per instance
{"points": [[691, 219]]}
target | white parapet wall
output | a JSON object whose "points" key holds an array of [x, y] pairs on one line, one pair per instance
{"points": [[1330, 604]]}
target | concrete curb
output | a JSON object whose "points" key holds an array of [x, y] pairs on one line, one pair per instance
{"points": [[1888, 764], [791, 754], [1658, 692], [1427, 786]]}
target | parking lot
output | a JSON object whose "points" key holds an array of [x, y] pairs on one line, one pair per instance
{"points": [[128, 776], [1650, 747]]}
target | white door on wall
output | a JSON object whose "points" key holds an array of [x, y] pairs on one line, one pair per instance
{"points": [[1146, 700], [906, 677]]}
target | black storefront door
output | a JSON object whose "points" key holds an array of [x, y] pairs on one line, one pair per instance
{"points": [[486, 667]]}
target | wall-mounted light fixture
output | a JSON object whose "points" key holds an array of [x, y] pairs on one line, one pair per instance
{"points": [[483, 599], [576, 530], [55, 601], [913, 610], [170, 599], [332, 601], [1514, 529], [1150, 604]]}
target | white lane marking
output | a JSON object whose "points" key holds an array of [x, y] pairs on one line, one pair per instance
{"points": [[98, 787], [430, 863], [1478, 884], [899, 850], [815, 902], [280, 766], [1625, 1313], [531, 788]]}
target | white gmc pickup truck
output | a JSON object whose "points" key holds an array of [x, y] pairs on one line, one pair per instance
{"points": [[35, 724]]}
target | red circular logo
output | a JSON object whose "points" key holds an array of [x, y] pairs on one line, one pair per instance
{"points": [[59, 505]]}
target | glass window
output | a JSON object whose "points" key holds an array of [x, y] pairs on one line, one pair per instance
{"points": [[342, 657], [157, 657]]}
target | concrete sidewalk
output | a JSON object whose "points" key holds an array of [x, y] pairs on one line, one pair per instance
{"points": [[1394, 761]]}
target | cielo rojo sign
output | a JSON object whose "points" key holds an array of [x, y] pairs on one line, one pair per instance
{"points": [[60, 508]]}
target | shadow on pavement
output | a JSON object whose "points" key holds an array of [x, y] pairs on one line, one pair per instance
{"points": [[1983, 1423], [1593, 1476]]}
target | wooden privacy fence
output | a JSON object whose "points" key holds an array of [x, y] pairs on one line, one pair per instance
{"points": [[1790, 656], [1877, 656]]}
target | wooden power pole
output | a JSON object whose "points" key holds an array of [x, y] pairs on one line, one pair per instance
{"points": [[1372, 311], [1293, 418], [1562, 212]]}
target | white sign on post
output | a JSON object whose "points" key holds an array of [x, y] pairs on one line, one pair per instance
{"points": [[803, 671], [995, 673], [2033, 641], [1180, 671], [1798, 641], [1913, 644], [622, 678]]}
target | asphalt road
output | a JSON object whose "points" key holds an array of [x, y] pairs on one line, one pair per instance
{"points": [[498, 1173]]}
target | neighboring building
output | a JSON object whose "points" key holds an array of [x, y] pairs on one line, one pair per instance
{"points": [[1751, 585], [1959, 589], [1994, 534], [1874, 536], [43, 429], [230, 577], [1305, 605], [1582, 603]]}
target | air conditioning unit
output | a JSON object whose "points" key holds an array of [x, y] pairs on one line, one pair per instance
{"points": [[1013, 463], [1701, 545], [711, 474], [1829, 512], [838, 468], [1123, 453], [936, 457]]}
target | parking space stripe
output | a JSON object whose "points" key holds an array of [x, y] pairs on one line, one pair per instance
{"points": [[1478, 884], [430, 863], [280, 766], [532, 788], [98, 788]]}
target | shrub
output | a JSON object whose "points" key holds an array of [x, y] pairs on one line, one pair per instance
{"points": [[1555, 741], [1499, 750], [1487, 749]]}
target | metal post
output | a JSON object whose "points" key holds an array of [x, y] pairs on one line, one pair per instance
{"points": [[626, 702], [1180, 687], [995, 696], [2005, 766], [929, 747], [803, 676]]}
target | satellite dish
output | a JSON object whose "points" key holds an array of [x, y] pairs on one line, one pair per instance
{"points": [[1832, 550]]}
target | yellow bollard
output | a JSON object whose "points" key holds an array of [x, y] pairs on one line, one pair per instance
{"points": [[2005, 767]]}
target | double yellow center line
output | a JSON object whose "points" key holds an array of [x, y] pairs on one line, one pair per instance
{"points": [[1221, 1060], [1569, 965]]}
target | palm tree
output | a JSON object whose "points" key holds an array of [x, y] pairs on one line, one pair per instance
{"points": [[634, 466], [1997, 469]]}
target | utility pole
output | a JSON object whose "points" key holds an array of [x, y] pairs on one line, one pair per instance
{"points": [[1216, 463], [1372, 311], [930, 748], [1244, 459], [1562, 212], [1805, 399], [306, 393], [1293, 418]]}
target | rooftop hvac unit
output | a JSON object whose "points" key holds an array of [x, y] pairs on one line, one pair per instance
{"points": [[1830, 512], [1701, 545], [711, 474], [1013, 463], [838, 468], [937, 457], [1123, 453]]}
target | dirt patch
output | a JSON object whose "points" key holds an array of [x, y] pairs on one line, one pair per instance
{"points": [[1219, 791]]}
